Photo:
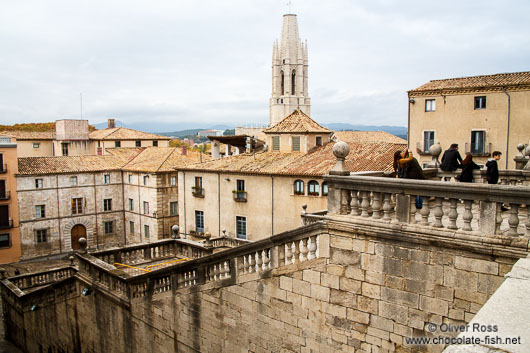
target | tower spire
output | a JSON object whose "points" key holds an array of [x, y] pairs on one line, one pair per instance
{"points": [[289, 72]]}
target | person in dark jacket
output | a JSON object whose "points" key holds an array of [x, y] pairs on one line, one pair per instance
{"points": [[451, 159], [407, 167], [467, 169], [492, 168]]}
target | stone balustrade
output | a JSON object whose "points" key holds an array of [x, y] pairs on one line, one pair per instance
{"points": [[225, 241], [37, 279], [103, 275], [451, 206], [506, 177]]}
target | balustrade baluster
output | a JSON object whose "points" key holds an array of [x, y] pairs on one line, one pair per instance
{"points": [[387, 206], [438, 213], [227, 269], [305, 250], [513, 220], [281, 255], [376, 205], [289, 258], [297, 251], [413, 210], [425, 211], [266, 259], [498, 218], [453, 215], [468, 215], [260, 260], [354, 204], [365, 203], [312, 247], [252, 261]]}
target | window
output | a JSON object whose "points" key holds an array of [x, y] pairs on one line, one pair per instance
{"points": [[5, 241], [240, 185], [241, 227], [107, 205], [319, 140], [65, 149], [199, 221], [36, 145], [324, 189], [198, 182], [146, 179], [283, 82], [428, 140], [40, 211], [131, 227], [77, 205], [117, 143], [131, 205], [73, 181], [173, 181], [173, 208], [146, 231], [155, 143], [296, 143], [130, 179], [109, 227], [276, 143], [480, 102], [41, 236], [313, 188], [477, 142], [38, 183], [106, 179], [430, 105], [146, 207], [293, 83], [299, 187], [138, 143]]}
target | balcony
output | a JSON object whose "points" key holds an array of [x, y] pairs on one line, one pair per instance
{"points": [[240, 196], [6, 224], [3, 168], [4, 195], [482, 151], [197, 191]]}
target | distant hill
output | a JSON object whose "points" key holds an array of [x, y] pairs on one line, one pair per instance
{"points": [[105, 125], [34, 127], [181, 133]]}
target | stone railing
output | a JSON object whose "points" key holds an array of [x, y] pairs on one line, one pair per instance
{"points": [[37, 279], [103, 275], [506, 177], [452, 206], [225, 241], [159, 250]]}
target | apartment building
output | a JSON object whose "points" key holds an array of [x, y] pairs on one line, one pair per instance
{"points": [[9, 225]]}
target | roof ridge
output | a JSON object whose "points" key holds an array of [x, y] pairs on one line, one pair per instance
{"points": [[477, 76], [132, 159], [169, 155]]}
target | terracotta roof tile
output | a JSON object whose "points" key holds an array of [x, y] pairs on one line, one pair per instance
{"points": [[69, 164], [297, 121], [123, 133], [364, 156], [162, 159], [30, 135], [485, 81], [368, 136]]}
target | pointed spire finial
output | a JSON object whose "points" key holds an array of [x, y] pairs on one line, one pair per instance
{"points": [[289, 3]]}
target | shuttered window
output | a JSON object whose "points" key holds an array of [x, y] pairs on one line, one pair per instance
{"points": [[296, 143], [276, 143]]}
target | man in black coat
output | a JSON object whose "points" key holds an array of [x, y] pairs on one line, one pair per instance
{"points": [[451, 159], [492, 171]]}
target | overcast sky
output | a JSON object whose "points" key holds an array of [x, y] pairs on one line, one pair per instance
{"points": [[178, 64]]}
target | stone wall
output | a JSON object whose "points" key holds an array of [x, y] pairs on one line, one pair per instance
{"points": [[367, 291]]}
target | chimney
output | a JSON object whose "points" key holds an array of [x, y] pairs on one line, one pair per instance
{"points": [[184, 150], [111, 123]]}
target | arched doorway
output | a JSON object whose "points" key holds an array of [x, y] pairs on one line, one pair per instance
{"points": [[78, 231]]}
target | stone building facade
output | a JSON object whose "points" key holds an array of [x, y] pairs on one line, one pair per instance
{"points": [[481, 114], [9, 223], [128, 196]]}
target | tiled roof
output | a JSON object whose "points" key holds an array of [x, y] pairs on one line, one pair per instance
{"points": [[123, 133], [477, 82], [69, 164], [30, 135], [297, 121], [364, 156], [163, 159], [368, 136]]}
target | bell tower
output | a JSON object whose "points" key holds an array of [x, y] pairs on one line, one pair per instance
{"points": [[289, 73]]}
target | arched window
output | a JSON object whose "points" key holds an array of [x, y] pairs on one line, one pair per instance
{"points": [[313, 188], [283, 83], [299, 187], [293, 83], [324, 189]]}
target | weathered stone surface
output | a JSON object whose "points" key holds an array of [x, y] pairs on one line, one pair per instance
{"points": [[477, 265]]}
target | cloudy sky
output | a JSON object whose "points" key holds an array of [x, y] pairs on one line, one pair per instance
{"points": [[177, 64]]}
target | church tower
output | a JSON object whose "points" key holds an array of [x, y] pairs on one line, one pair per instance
{"points": [[289, 73]]}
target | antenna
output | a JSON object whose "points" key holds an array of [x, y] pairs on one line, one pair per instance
{"points": [[289, 3], [81, 103]]}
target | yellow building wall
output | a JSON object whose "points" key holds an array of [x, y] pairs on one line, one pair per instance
{"points": [[455, 118], [11, 253], [25, 148]]}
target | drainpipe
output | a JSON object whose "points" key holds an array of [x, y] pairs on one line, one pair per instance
{"points": [[508, 126], [219, 202], [408, 121], [272, 205]]}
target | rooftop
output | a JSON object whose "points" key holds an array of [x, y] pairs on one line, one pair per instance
{"points": [[477, 82], [123, 133], [297, 121], [30, 135]]}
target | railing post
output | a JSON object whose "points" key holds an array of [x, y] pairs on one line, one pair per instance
{"points": [[334, 200], [488, 215], [403, 208]]}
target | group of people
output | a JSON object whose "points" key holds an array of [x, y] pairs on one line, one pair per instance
{"points": [[407, 167]]}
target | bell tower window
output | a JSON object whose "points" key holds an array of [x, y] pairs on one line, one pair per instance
{"points": [[283, 83], [293, 83]]}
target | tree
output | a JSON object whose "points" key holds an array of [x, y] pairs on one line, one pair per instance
{"points": [[229, 132]]}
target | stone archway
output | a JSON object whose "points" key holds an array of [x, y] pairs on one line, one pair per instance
{"points": [[78, 231]]}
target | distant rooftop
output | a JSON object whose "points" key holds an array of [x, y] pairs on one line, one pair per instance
{"points": [[123, 133], [297, 121], [30, 135]]}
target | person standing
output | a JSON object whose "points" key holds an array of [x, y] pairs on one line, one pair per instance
{"points": [[467, 169], [492, 171], [408, 167], [451, 159]]}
